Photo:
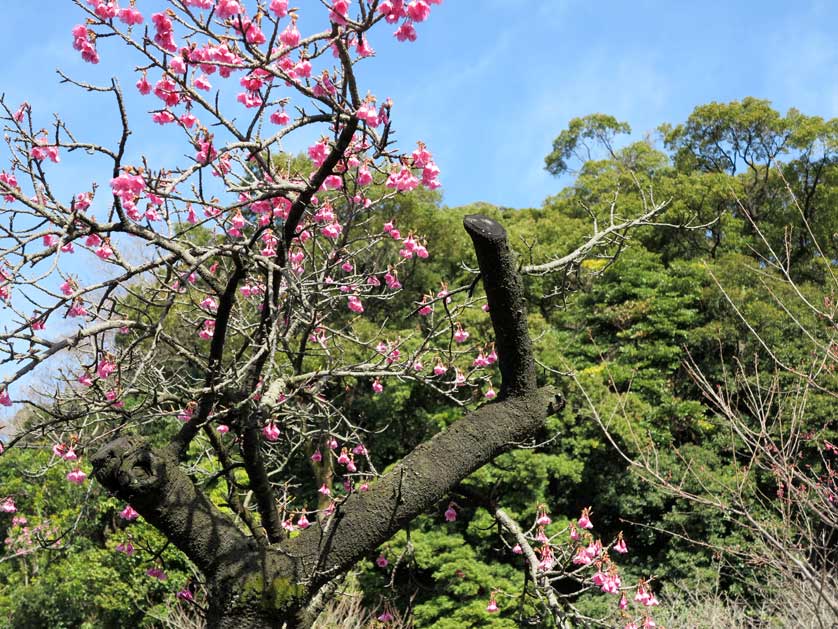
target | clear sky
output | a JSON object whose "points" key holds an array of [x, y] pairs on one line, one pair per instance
{"points": [[490, 83]]}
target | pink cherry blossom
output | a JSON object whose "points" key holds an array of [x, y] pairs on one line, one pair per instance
{"points": [[130, 16], [450, 513], [460, 335], [125, 547], [280, 117], [157, 573], [76, 476], [620, 545], [406, 32], [129, 514], [164, 35], [418, 10], [83, 41], [290, 36], [271, 431], [279, 8]]}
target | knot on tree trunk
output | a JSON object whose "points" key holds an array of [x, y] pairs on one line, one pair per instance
{"points": [[130, 468]]}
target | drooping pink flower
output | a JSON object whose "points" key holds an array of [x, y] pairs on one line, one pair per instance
{"points": [[223, 428], [290, 36], [450, 513], [8, 505], [385, 616], [129, 514], [125, 547], [157, 573], [164, 35], [228, 8], [76, 476], [594, 549], [490, 394], [77, 309], [271, 431], [208, 329], [403, 180], [105, 368], [41, 150], [280, 117], [584, 521], [279, 8], [20, 112], [127, 186], [492, 607], [418, 10], [302, 522], [406, 32], [324, 490], [581, 558], [70, 454], [620, 545], [130, 16], [10, 183], [354, 304], [377, 387], [460, 335], [143, 86], [83, 41]]}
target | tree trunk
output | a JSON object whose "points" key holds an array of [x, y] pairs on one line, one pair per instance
{"points": [[253, 586]]}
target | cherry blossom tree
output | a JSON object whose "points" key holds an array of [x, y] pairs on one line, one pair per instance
{"points": [[243, 291]]}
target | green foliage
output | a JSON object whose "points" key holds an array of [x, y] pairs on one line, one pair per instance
{"points": [[600, 128]]}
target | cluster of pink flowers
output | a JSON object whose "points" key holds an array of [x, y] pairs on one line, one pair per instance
{"points": [[83, 41], [42, 150], [410, 12]]}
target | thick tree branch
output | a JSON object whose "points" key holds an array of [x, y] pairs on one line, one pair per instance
{"points": [[165, 496], [423, 478], [434, 468], [507, 304]]}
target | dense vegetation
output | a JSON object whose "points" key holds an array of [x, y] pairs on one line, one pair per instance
{"points": [[735, 283]]}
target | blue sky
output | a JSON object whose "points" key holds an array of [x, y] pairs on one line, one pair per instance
{"points": [[490, 83]]}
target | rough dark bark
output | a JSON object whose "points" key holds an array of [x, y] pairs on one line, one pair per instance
{"points": [[252, 586], [507, 304]]}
